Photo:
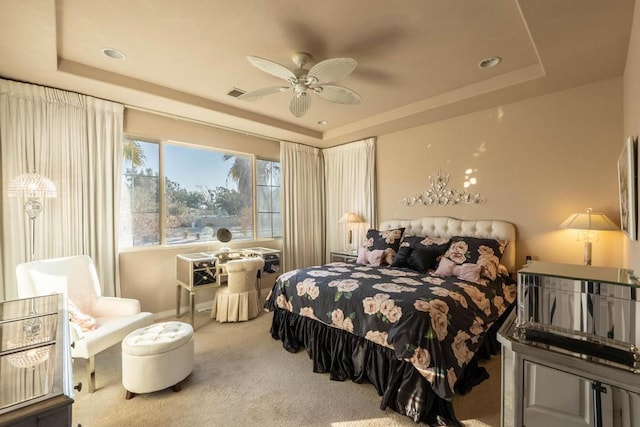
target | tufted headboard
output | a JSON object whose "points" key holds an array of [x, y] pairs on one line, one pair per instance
{"points": [[442, 226]]}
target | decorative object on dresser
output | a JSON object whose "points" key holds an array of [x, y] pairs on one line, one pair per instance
{"points": [[400, 317], [440, 195], [348, 219], [574, 336], [588, 224], [224, 235], [97, 322], [32, 187], [628, 188]]}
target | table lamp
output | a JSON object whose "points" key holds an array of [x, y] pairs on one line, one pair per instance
{"points": [[350, 218], [588, 224]]}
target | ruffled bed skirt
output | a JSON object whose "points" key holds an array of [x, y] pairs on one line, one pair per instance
{"points": [[345, 356]]}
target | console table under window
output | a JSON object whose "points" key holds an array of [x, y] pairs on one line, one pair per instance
{"points": [[207, 270]]}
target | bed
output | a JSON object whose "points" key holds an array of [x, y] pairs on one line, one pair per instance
{"points": [[415, 325]]}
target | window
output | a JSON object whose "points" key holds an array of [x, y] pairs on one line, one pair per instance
{"points": [[268, 198], [203, 190], [140, 198]]}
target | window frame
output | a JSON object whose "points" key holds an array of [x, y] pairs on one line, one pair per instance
{"points": [[162, 192]]}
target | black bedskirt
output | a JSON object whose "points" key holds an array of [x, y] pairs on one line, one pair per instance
{"points": [[345, 356]]}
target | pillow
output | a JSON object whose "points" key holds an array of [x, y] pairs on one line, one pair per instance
{"points": [[387, 241], [485, 253], [86, 322], [373, 258], [420, 253]]}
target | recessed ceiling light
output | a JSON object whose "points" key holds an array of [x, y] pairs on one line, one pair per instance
{"points": [[322, 122], [113, 53], [490, 62]]}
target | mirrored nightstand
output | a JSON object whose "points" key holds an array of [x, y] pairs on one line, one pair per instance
{"points": [[344, 256]]}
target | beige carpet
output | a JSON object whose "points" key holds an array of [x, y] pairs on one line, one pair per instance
{"points": [[243, 377]]}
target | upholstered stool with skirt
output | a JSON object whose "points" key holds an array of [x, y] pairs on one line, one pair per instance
{"points": [[157, 357], [239, 299]]}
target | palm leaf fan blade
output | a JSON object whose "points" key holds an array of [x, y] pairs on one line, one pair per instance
{"points": [[331, 70], [338, 94], [271, 67], [263, 92], [299, 104]]}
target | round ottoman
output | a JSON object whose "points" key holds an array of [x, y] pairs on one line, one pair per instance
{"points": [[156, 357]]}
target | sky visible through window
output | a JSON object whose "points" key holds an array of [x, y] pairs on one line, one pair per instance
{"points": [[195, 169]]}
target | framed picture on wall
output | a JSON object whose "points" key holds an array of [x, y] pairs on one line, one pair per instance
{"points": [[627, 184]]}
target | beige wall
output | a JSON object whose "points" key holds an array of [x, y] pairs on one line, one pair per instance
{"points": [[537, 161], [150, 274], [632, 117]]}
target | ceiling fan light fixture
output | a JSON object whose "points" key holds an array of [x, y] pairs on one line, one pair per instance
{"points": [[302, 82], [489, 62]]}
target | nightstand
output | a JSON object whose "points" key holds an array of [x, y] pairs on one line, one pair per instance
{"points": [[344, 256]]}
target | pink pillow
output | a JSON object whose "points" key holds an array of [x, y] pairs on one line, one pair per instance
{"points": [[373, 258], [86, 322], [469, 272], [445, 267]]}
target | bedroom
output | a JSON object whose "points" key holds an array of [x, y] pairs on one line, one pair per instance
{"points": [[538, 160]]}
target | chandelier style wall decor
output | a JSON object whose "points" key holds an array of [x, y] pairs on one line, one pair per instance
{"points": [[440, 195]]}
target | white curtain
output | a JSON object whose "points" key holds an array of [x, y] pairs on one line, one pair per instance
{"points": [[349, 172], [303, 205], [74, 140]]}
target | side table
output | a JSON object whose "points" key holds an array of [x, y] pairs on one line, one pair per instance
{"points": [[344, 256]]}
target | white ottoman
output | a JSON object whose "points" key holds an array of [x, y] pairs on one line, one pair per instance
{"points": [[157, 357]]}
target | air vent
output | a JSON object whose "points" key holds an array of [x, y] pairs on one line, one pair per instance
{"points": [[235, 92]]}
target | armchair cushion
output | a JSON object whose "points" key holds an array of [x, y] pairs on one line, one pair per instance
{"points": [[110, 331], [112, 306]]}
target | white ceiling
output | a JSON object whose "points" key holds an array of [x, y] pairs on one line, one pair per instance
{"points": [[417, 59]]}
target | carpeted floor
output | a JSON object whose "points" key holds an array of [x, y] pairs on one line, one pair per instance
{"points": [[243, 377]]}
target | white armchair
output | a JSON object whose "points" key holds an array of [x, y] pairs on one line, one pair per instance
{"points": [[76, 278]]}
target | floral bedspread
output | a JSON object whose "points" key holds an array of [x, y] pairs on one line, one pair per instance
{"points": [[436, 323]]}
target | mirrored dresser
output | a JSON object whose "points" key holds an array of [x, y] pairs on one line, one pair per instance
{"points": [[570, 348], [35, 363]]}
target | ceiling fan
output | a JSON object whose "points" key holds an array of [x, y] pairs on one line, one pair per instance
{"points": [[303, 81]]}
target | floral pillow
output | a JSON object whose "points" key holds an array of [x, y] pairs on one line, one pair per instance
{"points": [[420, 253], [387, 241], [482, 254]]}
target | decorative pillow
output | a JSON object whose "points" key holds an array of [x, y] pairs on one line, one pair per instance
{"points": [[373, 258], [485, 253], [86, 322], [387, 241], [420, 253]]}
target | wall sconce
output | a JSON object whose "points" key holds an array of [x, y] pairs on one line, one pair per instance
{"points": [[350, 218], [32, 187], [588, 224]]}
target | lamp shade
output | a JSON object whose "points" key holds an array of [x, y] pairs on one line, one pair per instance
{"points": [[596, 221], [350, 218], [31, 185]]}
